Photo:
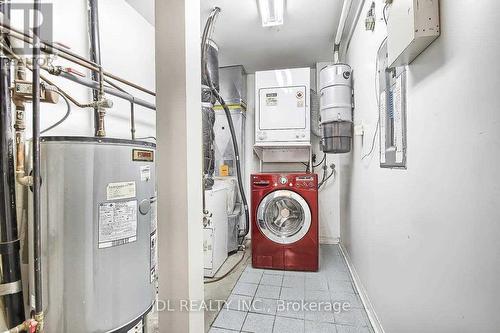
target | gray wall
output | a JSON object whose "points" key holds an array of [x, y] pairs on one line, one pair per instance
{"points": [[424, 241]]}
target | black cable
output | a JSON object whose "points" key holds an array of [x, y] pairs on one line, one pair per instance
{"points": [[334, 172], [378, 104], [238, 164], [315, 165], [217, 279], [206, 76], [63, 119], [384, 12]]}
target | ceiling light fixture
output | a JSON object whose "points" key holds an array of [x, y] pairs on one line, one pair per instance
{"points": [[272, 12]]}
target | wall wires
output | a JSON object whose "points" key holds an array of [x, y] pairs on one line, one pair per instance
{"points": [[377, 74]]}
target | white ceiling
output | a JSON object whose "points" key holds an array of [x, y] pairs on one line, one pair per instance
{"points": [[305, 38], [146, 8]]}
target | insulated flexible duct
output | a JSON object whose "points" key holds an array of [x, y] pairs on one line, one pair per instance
{"points": [[208, 114], [207, 32]]}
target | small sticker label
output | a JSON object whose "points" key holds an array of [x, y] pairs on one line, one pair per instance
{"points": [[154, 255], [154, 214], [117, 191], [143, 155], [272, 99], [117, 223], [224, 170], [145, 173]]}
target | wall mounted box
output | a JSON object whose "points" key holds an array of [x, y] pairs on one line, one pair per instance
{"points": [[411, 27]]}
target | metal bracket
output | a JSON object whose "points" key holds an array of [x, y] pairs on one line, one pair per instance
{"points": [[10, 288]]}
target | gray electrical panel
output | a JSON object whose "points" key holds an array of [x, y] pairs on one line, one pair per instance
{"points": [[391, 97]]}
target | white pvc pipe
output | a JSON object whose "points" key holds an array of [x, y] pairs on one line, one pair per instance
{"points": [[338, 37]]}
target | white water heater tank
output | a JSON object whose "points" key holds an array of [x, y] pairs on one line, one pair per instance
{"points": [[336, 104], [99, 240]]}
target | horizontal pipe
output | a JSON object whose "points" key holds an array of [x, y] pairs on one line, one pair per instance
{"points": [[95, 85], [49, 48]]}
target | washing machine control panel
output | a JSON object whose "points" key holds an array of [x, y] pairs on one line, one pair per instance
{"points": [[305, 182], [298, 181]]}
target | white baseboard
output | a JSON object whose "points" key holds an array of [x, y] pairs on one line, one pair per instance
{"points": [[372, 315]]}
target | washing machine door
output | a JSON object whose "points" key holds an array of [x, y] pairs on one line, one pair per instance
{"points": [[284, 217]]}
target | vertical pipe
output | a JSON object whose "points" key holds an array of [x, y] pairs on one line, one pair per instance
{"points": [[37, 239], [95, 56], [346, 6], [132, 120], [11, 265]]}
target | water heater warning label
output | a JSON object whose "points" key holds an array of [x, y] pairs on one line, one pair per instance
{"points": [[117, 223], [117, 191]]}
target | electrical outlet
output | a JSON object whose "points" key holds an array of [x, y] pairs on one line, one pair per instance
{"points": [[359, 130]]}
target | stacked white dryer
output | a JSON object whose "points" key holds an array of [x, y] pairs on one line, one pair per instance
{"points": [[282, 115]]}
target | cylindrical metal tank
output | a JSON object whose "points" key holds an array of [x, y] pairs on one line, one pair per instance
{"points": [[99, 234], [336, 108]]}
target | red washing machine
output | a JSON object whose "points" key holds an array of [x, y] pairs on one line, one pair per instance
{"points": [[285, 228]]}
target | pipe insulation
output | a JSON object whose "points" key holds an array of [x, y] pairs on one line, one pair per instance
{"points": [[208, 114]]}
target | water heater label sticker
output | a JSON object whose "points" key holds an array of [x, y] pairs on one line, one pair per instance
{"points": [[154, 212], [117, 191], [145, 173], [117, 223]]}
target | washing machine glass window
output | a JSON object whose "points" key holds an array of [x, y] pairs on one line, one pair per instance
{"points": [[284, 217]]}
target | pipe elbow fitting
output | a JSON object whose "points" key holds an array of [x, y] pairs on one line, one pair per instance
{"points": [[24, 180]]}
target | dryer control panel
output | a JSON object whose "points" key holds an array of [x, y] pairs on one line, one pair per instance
{"points": [[282, 110]]}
